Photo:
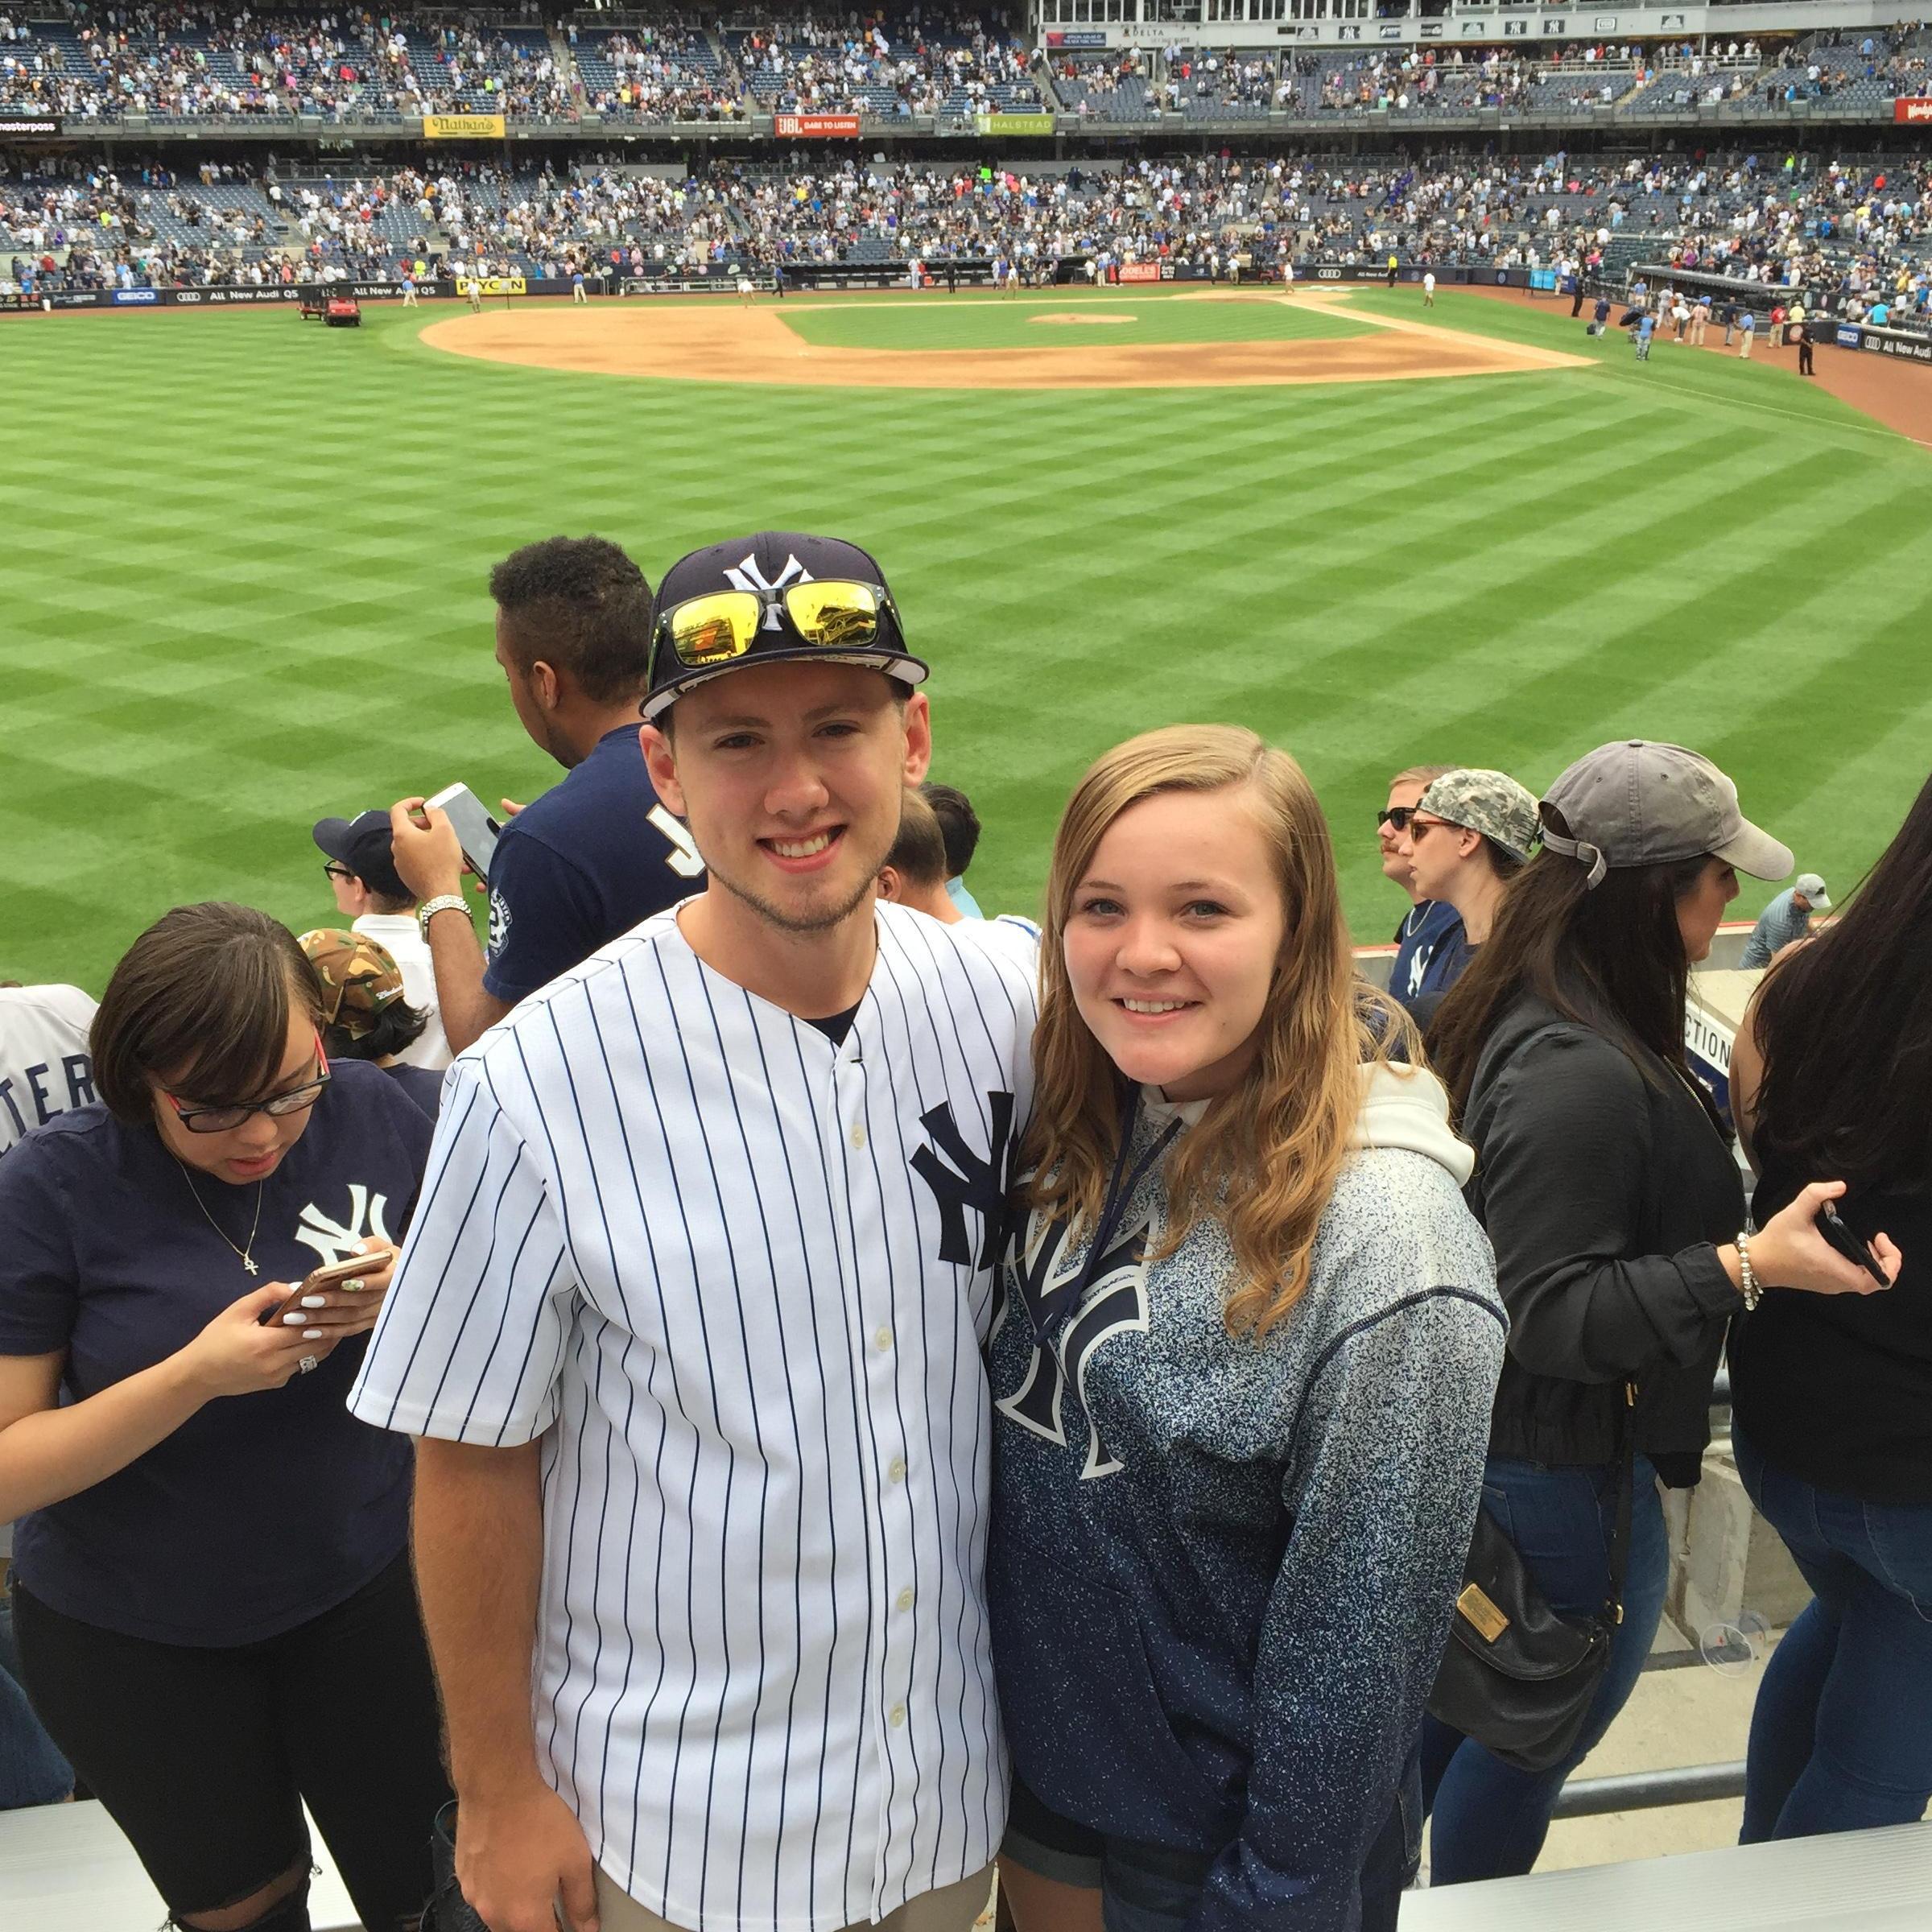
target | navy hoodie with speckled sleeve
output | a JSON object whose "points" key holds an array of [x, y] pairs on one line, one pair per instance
{"points": [[1222, 1570]]}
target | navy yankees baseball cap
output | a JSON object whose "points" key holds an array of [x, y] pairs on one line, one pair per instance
{"points": [[362, 844], [767, 599]]}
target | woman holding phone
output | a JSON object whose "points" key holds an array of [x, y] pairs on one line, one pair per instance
{"points": [[1609, 1189], [1243, 1374], [215, 1614], [1832, 1398]]}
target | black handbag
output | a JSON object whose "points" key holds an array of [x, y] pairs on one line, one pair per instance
{"points": [[449, 1911], [1518, 1677]]}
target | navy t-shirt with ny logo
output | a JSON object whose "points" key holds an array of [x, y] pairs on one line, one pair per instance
{"points": [[260, 1511]]}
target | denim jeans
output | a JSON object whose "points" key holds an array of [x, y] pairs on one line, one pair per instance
{"points": [[1841, 1737], [32, 1771], [1149, 1888], [1490, 1819]]}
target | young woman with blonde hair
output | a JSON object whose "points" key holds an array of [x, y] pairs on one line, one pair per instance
{"points": [[1243, 1373]]}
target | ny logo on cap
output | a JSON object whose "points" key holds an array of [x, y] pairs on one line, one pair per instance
{"points": [[748, 576]]}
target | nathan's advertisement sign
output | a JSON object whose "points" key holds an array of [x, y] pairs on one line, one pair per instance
{"points": [[816, 127], [462, 127], [1912, 109], [1015, 124]]}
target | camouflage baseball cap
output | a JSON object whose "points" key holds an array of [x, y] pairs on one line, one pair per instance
{"points": [[1489, 802], [359, 979]]}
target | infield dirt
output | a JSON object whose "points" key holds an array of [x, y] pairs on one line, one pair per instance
{"points": [[715, 342]]}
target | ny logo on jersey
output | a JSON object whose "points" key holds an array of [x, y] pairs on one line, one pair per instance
{"points": [[748, 576], [336, 1240], [971, 1181], [1045, 1276]]}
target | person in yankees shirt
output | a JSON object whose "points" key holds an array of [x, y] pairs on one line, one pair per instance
{"points": [[689, 1332], [594, 855], [212, 1591], [1425, 940]]}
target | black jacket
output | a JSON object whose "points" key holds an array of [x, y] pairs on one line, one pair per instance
{"points": [[1605, 1190]]}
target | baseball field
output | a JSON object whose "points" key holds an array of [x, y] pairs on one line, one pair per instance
{"points": [[242, 577]]}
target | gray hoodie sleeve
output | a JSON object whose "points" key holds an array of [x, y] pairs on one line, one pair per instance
{"points": [[1383, 1485]]}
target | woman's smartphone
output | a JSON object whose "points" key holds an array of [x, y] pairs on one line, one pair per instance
{"points": [[1849, 1246], [332, 1275]]}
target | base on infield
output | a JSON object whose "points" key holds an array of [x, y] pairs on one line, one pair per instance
{"points": [[710, 343]]}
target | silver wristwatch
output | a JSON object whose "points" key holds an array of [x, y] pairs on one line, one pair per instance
{"points": [[443, 901]]}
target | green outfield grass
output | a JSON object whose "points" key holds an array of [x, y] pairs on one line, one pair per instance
{"points": [[1123, 318], [242, 581]]}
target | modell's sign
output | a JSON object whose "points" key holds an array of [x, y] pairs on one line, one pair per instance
{"points": [[816, 127], [1911, 108]]}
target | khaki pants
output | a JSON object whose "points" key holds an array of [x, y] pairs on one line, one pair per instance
{"points": [[953, 1909]]}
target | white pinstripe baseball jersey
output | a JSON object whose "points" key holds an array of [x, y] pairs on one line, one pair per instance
{"points": [[742, 1278]]}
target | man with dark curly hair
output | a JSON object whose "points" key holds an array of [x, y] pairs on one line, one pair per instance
{"points": [[594, 856]]}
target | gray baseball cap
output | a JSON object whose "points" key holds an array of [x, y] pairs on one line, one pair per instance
{"points": [[1810, 888], [1489, 802], [1641, 803]]}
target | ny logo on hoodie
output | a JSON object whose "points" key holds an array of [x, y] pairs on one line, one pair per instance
{"points": [[1045, 1276]]}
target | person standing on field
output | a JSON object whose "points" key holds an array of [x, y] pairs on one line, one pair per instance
{"points": [[1747, 328], [690, 1330], [1807, 342], [1428, 288]]}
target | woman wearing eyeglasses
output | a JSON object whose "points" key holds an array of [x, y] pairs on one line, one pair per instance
{"points": [[214, 1610]]}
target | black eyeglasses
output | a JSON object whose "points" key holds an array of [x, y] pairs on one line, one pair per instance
{"points": [[224, 1120], [1396, 818], [332, 870]]}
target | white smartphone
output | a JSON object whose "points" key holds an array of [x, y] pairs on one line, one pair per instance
{"points": [[476, 831]]}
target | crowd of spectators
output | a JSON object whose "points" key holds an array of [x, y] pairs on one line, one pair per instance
{"points": [[195, 59], [886, 67], [1852, 233], [190, 61], [200, 60]]}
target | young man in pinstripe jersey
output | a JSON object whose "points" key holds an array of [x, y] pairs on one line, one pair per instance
{"points": [[690, 1326]]}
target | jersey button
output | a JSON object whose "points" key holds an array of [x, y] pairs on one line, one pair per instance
{"points": [[883, 1338], [857, 1138], [898, 1715], [905, 1599], [895, 1470]]}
